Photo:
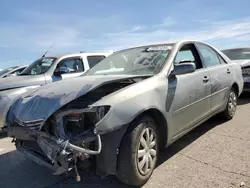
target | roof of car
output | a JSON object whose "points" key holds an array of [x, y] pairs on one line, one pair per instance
{"points": [[79, 54], [110, 52], [22, 66], [166, 43]]}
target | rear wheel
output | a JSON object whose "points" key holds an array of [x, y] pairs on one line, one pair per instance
{"points": [[230, 110], [138, 152]]}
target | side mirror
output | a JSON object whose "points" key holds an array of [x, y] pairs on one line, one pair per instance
{"points": [[183, 68], [61, 70]]}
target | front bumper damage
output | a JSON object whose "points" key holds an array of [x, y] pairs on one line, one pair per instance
{"points": [[58, 152]]}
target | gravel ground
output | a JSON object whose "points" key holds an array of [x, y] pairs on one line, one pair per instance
{"points": [[216, 154]]}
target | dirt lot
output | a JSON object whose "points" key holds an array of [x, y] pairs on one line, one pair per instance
{"points": [[216, 154]]}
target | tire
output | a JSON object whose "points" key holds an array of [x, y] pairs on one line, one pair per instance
{"points": [[128, 168], [230, 110]]}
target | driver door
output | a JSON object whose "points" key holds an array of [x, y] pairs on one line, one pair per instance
{"points": [[75, 66], [191, 92]]}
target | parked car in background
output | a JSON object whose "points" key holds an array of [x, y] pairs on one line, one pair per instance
{"points": [[12, 71], [119, 114], [242, 57], [46, 70]]}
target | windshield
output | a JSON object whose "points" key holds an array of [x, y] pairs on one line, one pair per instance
{"points": [[237, 54], [3, 72], [136, 61], [40, 66]]}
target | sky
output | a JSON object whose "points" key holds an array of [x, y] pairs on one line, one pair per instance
{"points": [[28, 28]]}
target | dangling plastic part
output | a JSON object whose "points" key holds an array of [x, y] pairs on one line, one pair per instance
{"points": [[78, 177]]}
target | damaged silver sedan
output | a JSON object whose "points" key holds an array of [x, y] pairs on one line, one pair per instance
{"points": [[116, 117]]}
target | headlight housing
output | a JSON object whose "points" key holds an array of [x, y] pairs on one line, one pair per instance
{"points": [[97, 113], [71, 122], [101, 111]]}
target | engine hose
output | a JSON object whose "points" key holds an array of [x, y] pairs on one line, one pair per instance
{"points": [[87, 151]]}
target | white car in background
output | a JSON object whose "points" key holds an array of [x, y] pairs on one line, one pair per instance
{"points": [[242, 57], [45, 70]]}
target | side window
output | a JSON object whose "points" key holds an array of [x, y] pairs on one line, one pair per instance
{"points": [[74, 64], [188, 52], [93, 60], [17, 72], [210, 57], [184, 55]]}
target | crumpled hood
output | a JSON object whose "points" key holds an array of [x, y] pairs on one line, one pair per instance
{"points": [[42, 102], [243, 63], [21, 81]]}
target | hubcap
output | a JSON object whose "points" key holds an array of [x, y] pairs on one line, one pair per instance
{"points": [[232, 103], [146, 156]]}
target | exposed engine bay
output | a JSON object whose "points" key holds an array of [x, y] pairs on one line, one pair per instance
{"points": [[67, 140]]}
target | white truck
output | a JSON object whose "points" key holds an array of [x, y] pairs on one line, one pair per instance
{"points": [[45, 70]]}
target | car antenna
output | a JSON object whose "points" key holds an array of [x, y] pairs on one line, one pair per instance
{"points": [[48, 50]]}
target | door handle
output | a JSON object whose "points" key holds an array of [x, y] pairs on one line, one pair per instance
{"points": [[228, 71], [205, 79]]}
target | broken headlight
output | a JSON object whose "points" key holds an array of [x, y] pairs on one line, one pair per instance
{"points": [[96, 114], [78, 121], [101, 111]]}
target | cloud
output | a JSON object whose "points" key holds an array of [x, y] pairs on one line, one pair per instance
{"points": [[201, 21], [234, 32], [37, 31], [69, 32], [72, 32], [3, 46], [168, 21], [231, 30]]}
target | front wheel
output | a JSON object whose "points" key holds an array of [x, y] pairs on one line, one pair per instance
{"points": [[138, 152], [230, 110]]}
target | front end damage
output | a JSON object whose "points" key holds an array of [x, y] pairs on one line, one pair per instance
{"points": [[67, 141]]}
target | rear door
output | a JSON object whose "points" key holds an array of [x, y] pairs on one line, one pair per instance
{"points": [[220, 75], [191, 92]]}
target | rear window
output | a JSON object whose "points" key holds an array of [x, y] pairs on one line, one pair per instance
{"points": [[93, 60]]}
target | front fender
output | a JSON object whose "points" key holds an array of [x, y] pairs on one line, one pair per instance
{"points": [[127, 104]]}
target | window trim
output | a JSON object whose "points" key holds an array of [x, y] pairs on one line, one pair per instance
{"points": [[190, 43], [223, 60], [202, 59]]}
